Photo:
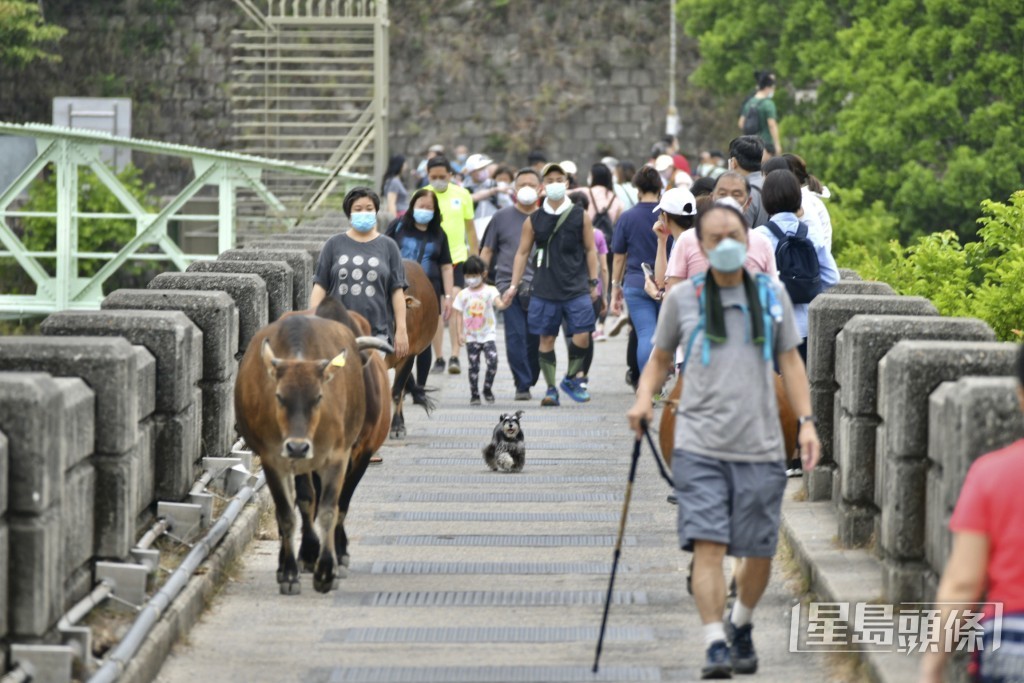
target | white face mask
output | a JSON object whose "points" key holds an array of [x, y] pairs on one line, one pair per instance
{"points": [[527, 196], [474, 281], [556, 191]]}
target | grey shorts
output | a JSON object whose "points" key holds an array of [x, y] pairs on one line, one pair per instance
{"points": [[737, 504]]}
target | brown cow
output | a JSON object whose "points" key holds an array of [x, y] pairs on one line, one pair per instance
{"points": [[374, 434], [421, 316], [300, 401]]}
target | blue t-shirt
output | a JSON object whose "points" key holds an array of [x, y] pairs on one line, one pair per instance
{"points": [[633, 236]]}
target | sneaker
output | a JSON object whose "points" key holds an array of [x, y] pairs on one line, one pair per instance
{"points": [[523, 395], [744, 657], [572, 387], [599, 336], [584, 383], [550, 398], [453, 366], [794, 469], [438, 367], [717, 664], [474, 400], [619, 324], [488, 396]]}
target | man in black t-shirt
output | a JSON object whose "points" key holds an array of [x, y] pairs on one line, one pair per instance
{"points": [[564, 281]]}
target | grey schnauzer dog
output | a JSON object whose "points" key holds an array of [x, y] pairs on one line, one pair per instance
{"points": [[507, 450]]}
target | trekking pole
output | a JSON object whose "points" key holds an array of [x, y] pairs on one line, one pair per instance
{"points": [[618, 546]]}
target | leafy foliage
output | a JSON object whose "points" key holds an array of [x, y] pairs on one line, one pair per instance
{"points": [[979, 279], [23, 34], [915, 102]]}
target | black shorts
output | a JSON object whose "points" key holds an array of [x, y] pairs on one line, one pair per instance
{"points": [[459, 275]]}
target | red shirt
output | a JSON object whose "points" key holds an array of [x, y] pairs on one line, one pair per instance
{"points": [[991, 503]]}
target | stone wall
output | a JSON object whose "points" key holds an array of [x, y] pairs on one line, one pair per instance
{"points": [[502, 78]]}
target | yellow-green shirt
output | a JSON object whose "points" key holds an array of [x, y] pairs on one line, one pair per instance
{"points": [[456, 206]]}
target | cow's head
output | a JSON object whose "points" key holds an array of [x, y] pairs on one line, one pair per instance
{"points": [[299, 390]]}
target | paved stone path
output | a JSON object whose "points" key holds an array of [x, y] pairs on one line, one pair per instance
{"points": [[461, 574]]}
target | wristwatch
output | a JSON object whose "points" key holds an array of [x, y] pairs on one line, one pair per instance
{"points": [[804, 419], [593, 282]]}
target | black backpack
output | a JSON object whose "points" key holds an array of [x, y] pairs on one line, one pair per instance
{"points": [[602, 221], [752, 117], [797, 260]]}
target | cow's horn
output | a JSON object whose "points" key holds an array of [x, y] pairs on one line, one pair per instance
{"points": [[373, 343]]}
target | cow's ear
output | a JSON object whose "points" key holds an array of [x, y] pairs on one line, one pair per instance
{"points": [[270, 361], [328, 367]]}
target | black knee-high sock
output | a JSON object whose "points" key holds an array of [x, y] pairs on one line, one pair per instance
{"points": [[547, 366], [588, 359], [577, 356]]}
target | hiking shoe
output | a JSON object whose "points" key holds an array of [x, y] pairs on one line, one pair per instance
{"points": [[619, 324], [523, 395], [572, 387], [438, 367], [794, 469], [744, 657], [550, 398], [717, 664], [488, 396], [474, 400], [453, 366]]}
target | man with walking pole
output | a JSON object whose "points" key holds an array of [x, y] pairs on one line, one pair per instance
{"points": [[729, 463]]}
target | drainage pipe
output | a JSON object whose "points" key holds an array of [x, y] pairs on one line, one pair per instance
{"points": [[114, 664], [100, 593]]}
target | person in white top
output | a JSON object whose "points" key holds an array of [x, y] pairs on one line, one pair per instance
{"points": [[813, 192]]}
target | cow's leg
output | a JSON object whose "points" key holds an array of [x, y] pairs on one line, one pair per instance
{"points": [[307, 494], [332, 476], [356, 469], [283, 491], [402, 374]]}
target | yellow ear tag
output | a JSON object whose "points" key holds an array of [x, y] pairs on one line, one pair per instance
{"points": [[339, 361]]}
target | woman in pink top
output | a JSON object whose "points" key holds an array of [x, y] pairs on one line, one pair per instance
{"points": [[987, 559], [602, 200]]}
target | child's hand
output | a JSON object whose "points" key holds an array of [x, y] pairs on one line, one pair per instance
{"points": [[462, 339]]}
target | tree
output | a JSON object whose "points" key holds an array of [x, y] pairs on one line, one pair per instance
{"points": [[916, 102], [24, 34]]}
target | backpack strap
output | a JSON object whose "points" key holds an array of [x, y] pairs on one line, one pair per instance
{"points": [[698, 285], [776, 230], [801, 230]]}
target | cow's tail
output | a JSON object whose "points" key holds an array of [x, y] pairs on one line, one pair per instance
{"points": [[374, 343]]}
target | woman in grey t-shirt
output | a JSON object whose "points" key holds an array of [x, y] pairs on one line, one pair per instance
{"points": [[363, 270]]}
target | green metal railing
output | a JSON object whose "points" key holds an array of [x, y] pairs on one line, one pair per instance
{"points": [[67, 150]]}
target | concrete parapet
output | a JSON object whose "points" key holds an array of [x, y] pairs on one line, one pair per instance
{"points": [[32, 418], [311, 247], [146, 365], [145, 491], [848, 274], [4, 468], [77, 514], [109, 365], [276, 275], [79, 419], [177, 445], [218, 417], [170, 336], [36, 588], [248, 292], [861, 287], [302, 265], [214, 313], [907, 375], [118, 481], [5, 562]]}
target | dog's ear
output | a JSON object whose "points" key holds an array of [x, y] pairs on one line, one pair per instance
{"points": [[519, 414], [501, 418]]}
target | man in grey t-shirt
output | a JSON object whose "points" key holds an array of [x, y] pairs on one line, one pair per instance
{"points": [[729, 461]]}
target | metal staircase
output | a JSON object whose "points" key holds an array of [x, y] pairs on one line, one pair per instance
{"points": [[309, 85]]}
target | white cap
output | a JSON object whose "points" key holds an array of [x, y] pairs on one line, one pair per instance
{"points": [[678, 202], [664, 162], [569, 167], [477, 161]]}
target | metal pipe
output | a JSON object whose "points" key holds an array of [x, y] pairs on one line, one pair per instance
{"points": [[100, 593], [19, 674], [202, 482], [155, 532], [114, 664]]}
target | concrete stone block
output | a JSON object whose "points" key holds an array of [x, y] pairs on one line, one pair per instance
{"points": [[913, 369], [903, 508], [301, 262], [108, 365], [829, 313], [311, 247], [865, 339], [218, 417], [32, 418], [938, 539], [147, 466], [855, 454], [3, 476], [856, 524], [77, 514], [848, 274], [5, 562], [248, 292], [276, 275], [117, 495], [79, 419], [903, 581], [177, 446], [170, 336], [861, 287], [214, 313], [146, 365], [36, 587]]}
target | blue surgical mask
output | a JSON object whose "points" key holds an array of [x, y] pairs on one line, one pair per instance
{"points": [[728, 256], [423, 216], [556, 191], [364, 221]]}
